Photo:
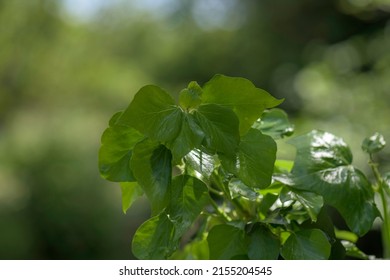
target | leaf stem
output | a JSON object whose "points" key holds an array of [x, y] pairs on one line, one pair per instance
{"points": [[386, 214], [222, 214]]}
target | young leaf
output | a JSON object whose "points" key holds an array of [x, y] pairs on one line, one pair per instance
{"points": [[201, 162], [241, 96], [373, 144], [226, 242], [322, 166], [189, 98], [152, 167], [263, 245], [116, 150], [310, 244], [256, 158], [130, 192], [220, 126], [274, 123]]}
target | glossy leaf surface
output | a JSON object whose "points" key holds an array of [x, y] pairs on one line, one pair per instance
{"points": [[323, 166], [373, 144]]}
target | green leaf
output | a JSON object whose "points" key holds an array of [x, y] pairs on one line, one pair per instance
{"points": [[312, 202], [274, 123], [151, 165], [187, 199], [310, 244], [201, 162], [159, 236], [386, 182], [154, 239], [241, 96], [319, 150], [196, 250], [220, 126], [190, 136], [154, 113], [131, 191], [322, 166], [239, 189], [263, 245], [189, 98], [116, 150], [226, 242], [256, 158], [373, 144]]}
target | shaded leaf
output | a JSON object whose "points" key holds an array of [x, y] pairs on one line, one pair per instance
{"points": [[274, 123], [159, 236], [116, 151], [373, 144], [310, 244], [131, 191], [262, 244], [226, 242], [240, 95], [151, 164]]}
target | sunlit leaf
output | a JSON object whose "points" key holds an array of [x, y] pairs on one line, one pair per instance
{"points": [[312, 202], [310, 244], [373, 144], [116, 150], [322, 166], [131, 191], [239, 189], [151, 164], [154, 239], [274, 123], [241, 96]]}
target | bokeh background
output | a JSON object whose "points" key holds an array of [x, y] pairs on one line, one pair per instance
{"points": [[67, 66]]}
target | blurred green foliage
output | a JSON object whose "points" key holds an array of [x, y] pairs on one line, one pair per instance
{"points": [[62, 77]]}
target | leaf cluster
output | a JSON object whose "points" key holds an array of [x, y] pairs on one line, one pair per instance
{"points": [[208, 165]]}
